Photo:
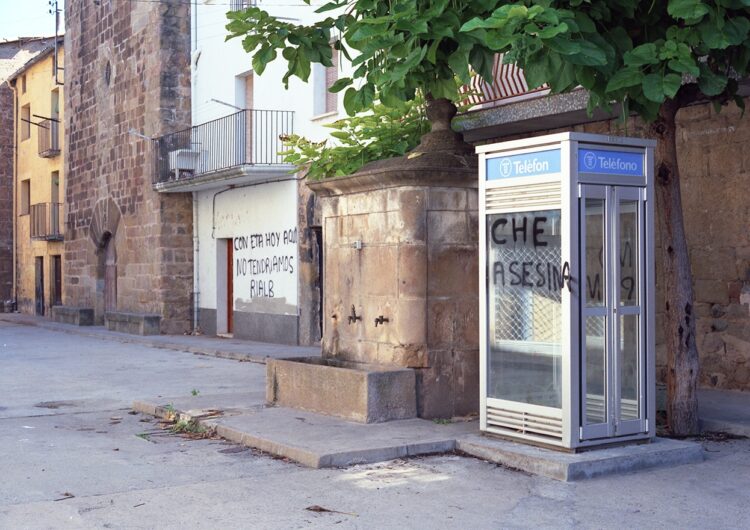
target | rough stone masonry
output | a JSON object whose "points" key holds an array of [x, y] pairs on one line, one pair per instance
{"points": [[127, 247]]}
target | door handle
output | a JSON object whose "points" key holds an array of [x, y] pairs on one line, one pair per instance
{"points": [[566, 277]]}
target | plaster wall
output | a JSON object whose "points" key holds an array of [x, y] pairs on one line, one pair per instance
{"points": [[38, 171]]}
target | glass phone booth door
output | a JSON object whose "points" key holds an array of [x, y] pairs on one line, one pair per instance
{"points": [[612, 318]]}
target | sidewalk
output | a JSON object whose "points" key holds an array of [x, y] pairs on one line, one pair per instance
{"points": [[724, 411], [239, 350]]}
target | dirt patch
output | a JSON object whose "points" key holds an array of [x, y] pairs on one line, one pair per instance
{"points": [[54, 404]]}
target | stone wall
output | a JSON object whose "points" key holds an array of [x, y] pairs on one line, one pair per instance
{"points": [[127, 74], [715, 173], [309, 260], [6, 193]]}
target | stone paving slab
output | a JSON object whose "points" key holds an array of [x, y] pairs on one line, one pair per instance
{"points": [[559, 465], [239, 350], [319, 441]]}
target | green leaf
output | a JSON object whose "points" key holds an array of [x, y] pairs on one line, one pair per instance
{"points": [[684, 66], [340, 84], [625, 78], [653, 88], [671, 84], [261, 59], [642, 55], [710, 83], [691, 10]]}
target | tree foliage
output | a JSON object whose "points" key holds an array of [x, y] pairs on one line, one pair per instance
{"points": [[638, 53], [383, 132], [396, 47]]}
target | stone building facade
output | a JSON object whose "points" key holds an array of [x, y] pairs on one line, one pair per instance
{"points": [[715, 172], [128, 249]]}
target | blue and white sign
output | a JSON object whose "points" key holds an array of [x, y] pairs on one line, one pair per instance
{"points": [[606, 162], [524, 165]]}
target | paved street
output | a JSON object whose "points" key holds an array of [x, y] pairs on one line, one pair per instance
{"points": [[72, 456]]}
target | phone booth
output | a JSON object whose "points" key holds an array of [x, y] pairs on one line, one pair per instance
{"points": [[567, 268]]}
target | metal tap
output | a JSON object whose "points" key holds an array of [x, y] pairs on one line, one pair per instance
{"points": [[381, 320], [353, 317]]}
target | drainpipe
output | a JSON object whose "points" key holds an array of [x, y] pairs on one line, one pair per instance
{"points": [[196, 264]]}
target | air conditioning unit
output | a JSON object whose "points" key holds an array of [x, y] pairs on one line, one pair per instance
{"points": [[184, 162]]}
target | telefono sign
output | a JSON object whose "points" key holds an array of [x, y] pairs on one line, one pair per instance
{"points": [[524, 165], [607, 162]]}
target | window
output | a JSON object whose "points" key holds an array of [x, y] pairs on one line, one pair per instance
{"points": [[324, 101], [25, 122], [55, 104], [55, 191], [23, 84], [25, 197]]}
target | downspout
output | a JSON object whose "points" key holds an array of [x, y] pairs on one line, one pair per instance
{"points": [[196, 264]]}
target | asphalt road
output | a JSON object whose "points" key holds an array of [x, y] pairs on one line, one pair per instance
{"points": [[73, 456]]}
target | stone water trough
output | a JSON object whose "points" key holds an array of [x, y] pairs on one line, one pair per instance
{"points": [[359, 392]]}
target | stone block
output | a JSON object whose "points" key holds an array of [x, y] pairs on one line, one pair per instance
{"points": [[412, 271], [379, 270], [447, 199], [77, 316], [133, 323], [410, 325], [448, 227], [453, 270], [354, 391]]}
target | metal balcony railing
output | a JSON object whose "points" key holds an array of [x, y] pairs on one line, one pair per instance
{"points": [[49, 138], [239, 5], [247, 138], [508, 85], [47, 221]]}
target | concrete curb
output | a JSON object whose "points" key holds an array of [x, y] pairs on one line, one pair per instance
{"points": [[134, 339], [306, 457], [568, 467]]}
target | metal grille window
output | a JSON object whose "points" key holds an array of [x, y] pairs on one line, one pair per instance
{"points": [[525, 279]]}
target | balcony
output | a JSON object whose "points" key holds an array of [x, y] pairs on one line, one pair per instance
{"points": [[47, 221], [235, 146], [508, 86], [49, 138]]}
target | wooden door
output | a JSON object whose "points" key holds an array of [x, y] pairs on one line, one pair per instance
{"points": [[110, 277], [56, 284], [39, 286], [230, 286]]}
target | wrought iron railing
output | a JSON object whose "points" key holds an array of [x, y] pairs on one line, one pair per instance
{"points": [[246, 138], [238, 5], [47, 221], [49, 138], [508, 84]]}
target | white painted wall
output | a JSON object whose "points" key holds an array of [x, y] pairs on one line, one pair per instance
{"points": [[262, 222]]}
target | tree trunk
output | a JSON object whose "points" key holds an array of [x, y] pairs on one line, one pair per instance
{"points": [[676, 280]]}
